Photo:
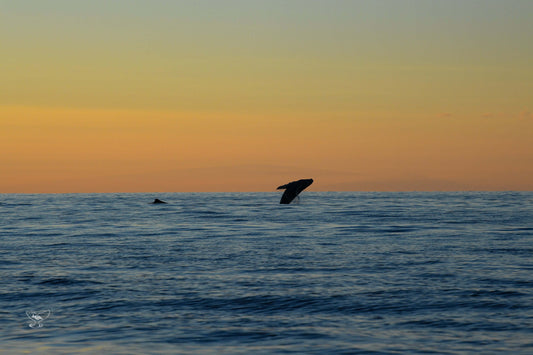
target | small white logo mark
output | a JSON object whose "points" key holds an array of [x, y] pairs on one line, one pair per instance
{"points": [[37, 318]]}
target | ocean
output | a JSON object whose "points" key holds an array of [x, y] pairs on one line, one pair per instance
{"points": [[238, 273]]}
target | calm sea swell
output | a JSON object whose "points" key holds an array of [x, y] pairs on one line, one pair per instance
{"points": [[235, 273]]}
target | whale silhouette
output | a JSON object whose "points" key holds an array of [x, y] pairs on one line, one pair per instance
{"points": [[158, 201], [292, 189]]}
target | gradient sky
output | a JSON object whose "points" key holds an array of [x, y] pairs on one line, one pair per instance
{"points": [[145, 96]]}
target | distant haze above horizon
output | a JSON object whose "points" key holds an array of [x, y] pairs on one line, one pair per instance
{"points": [[182, 96]]}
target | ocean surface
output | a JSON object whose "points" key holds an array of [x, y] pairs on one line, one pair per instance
{"points": [[237, 273]]}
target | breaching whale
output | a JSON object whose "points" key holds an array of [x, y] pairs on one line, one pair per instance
{"points": [[292, 189], [158, 201]]}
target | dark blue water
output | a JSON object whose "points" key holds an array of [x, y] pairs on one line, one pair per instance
{"points": [[237, 273]]}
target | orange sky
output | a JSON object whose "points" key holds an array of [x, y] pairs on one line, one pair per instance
{"points": [[196, 96]]}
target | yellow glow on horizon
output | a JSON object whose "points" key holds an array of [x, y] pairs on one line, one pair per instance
{"points": [[245, 95], [75, 150]]}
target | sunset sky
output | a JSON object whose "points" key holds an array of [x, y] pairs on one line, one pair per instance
{"points": [[146, 96]]}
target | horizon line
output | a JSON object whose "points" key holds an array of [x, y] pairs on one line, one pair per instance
{"points": [[273, 192]]}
